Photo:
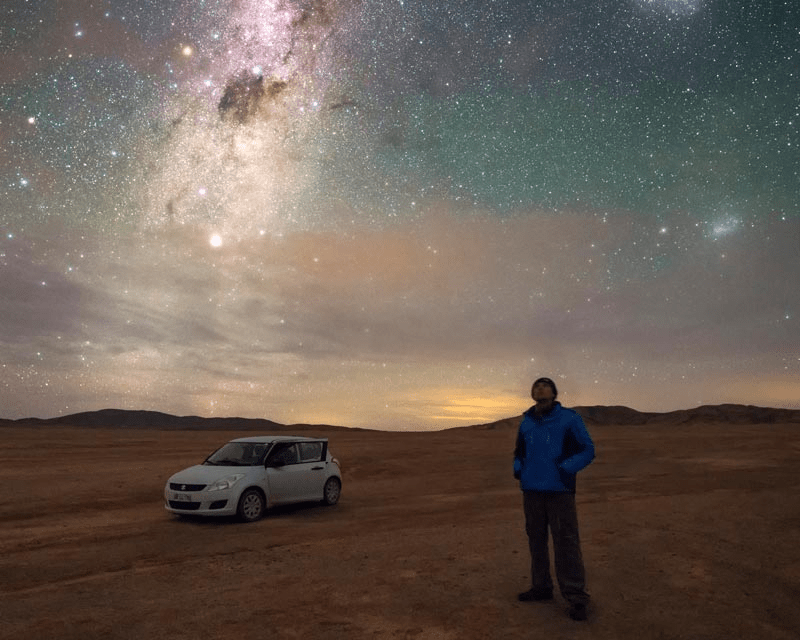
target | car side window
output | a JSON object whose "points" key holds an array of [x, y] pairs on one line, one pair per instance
{"points": [[257, 454], [310, 451], [285, 453], [252, 453]]}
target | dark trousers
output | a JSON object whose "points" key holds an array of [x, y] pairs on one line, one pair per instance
{"points": [[557, 512]]}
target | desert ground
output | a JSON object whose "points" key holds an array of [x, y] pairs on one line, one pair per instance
{"points": [[688, 531]]}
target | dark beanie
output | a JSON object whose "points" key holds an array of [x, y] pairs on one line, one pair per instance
{"points": [[548, 381]]}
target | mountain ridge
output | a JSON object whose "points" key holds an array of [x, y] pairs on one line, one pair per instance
{"points": [[601, 415], [596, 415]]}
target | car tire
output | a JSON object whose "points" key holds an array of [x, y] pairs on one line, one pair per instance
{"points": [[251, 505], [332, 491]]}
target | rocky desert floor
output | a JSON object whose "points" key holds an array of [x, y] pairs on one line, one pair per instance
{"points": [[688, 531]]}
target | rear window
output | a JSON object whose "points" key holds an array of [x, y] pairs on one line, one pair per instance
{"points": [[310, 451]]}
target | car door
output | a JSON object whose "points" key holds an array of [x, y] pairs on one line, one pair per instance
{"points": [[311, 458], [292, 479], [283, 473]]}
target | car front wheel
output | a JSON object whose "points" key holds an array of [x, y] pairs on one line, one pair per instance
{"points": [[332, 491], [251, 505]]}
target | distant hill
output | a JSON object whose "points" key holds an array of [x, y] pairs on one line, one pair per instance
{"points": [[594, 415], [725, 413], [729, 413], [119, 418]]}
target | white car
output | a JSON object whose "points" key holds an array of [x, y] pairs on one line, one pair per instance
{"points": [[249, 475]]}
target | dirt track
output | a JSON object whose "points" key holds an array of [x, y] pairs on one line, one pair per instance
{"points": [[688, 532]]}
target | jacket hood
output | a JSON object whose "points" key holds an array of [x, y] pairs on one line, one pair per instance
{"points": [[532, 410]]}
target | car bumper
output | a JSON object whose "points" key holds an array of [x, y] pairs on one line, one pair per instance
{"points": [[202, 503]]}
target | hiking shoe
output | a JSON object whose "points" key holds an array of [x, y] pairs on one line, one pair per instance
{"points": [[535, 595], [578, 611]]}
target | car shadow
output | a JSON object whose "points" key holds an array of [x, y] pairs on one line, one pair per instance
{"points": [[305, 510]]}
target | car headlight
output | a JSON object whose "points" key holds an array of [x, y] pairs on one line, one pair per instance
{"points": [[225, 483]]}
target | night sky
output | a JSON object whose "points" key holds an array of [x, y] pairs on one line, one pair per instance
{"points": [[397, 214]]}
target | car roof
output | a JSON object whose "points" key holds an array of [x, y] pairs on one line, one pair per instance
{"points": [[273, 438]]}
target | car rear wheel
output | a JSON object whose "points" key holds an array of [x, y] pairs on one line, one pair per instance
{"points": [[332, 491], [251, 505]]}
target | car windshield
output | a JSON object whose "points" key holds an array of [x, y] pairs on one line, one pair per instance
{"points": [[238, 454]]}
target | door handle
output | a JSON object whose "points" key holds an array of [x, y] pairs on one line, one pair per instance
{"points": [[317, 468]]}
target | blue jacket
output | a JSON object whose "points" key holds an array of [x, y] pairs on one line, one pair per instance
{"points": [[551, 449]]}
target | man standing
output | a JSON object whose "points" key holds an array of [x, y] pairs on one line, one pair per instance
{"points": [[552, 446]]}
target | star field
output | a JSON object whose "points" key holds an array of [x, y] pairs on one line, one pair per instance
{"points": [[397, 214]]}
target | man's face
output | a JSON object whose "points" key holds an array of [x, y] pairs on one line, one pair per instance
{"points": [[542, 392]]}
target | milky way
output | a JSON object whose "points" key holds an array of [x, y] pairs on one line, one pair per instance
{"points": [[397, 214]]}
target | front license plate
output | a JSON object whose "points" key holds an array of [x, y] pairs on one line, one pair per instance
{"points": [[182, 497]]}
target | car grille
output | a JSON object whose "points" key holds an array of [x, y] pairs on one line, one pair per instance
{"points": [[176, 486], [184, 506]]}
